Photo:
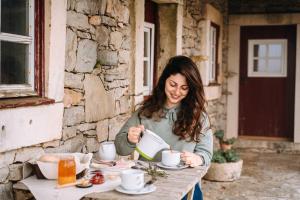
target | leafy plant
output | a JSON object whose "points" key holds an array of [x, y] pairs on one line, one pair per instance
{"points": [[219, 134], [221, 156], [218, 157]]}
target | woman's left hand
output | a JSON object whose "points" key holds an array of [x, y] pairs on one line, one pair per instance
{"points": [[191, 159]]}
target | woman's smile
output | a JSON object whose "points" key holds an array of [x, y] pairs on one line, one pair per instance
{"points": [[176, 89]]}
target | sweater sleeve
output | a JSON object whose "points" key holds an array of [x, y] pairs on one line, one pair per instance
{"points": [[123, 146], [204, 147]]}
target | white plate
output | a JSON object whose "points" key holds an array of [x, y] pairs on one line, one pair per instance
{"points": [[145, 190], [171, 167]]}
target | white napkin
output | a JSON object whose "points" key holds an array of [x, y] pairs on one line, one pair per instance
{"points": [[45, 189]]}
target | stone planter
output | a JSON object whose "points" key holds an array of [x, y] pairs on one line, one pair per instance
{"points": [[224, 171]]}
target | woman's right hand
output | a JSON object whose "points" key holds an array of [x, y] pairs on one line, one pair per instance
{"points": [[134, 133]]}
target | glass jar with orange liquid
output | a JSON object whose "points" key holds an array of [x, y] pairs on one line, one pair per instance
{"points": [[66, 170]]}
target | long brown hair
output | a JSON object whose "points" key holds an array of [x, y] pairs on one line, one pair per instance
{"points": [[188, 123]]}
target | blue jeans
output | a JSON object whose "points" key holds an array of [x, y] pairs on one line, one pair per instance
{"points": [[197, 193]]}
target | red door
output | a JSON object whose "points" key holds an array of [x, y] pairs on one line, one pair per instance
{"points": [[267, 81]]}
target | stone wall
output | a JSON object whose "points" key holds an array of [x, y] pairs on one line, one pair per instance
{"points": [[98, 62], [97, 71]]}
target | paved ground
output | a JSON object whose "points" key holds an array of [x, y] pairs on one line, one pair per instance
{"points": [[265, 176]]}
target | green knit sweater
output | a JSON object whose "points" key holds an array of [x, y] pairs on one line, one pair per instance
{"points": [[163, 128]]}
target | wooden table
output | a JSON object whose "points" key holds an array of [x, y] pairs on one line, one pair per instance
{"points": [[175, 186]]}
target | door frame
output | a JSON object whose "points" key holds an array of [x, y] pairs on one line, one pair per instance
{"points": [[235, 22]]}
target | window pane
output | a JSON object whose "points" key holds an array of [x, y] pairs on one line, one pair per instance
{"points": [[275, 50], [14, 63], [146, 38], [259, 50], [146, 73], [259, 65], [14, 16], [274, 65]]}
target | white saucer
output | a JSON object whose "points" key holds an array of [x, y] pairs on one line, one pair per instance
{"points": [[171, 167], [145, 190]]}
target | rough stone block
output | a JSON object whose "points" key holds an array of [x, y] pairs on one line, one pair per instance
{"points": [[72, 97], [102, 35], [108, 21], [107, 57], [99, 103], [124, 56], [95, 20], [74, 144], [77, 20], [26, 154], [92, 144], [68, 132], [86, 127], [86, 56], [90, 133], [73, 115], [116, 39], [84, 35], [74, 80], [71, 47], [102, 130], [88, 6]]}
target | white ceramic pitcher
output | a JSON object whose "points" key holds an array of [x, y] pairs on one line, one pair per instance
{"points": [[107, 151], [150, 144]]}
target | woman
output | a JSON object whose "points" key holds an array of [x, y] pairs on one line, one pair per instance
{"points": [[176, 112]]}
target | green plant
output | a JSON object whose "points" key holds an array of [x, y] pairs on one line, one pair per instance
{"points": [[219, 134], [221, 156]]}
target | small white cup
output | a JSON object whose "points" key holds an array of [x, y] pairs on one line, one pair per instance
{"points": [[170, 158], [107, 151], [132, 179]]}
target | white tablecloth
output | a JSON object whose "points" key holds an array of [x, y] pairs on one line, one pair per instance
{"points": [[45, 189]]}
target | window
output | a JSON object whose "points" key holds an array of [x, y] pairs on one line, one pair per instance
{"points": [[148, 58], [213, 58], [267, 58], [21, 49]]}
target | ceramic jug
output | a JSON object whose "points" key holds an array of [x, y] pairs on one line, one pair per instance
{"points": [[107, 151], [150, 144]]}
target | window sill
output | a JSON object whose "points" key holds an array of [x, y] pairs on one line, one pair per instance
{"points": [[24, 102]]}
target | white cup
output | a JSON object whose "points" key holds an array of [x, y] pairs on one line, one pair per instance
{"points": [[107, 151], [170, 158], [132, 179]]}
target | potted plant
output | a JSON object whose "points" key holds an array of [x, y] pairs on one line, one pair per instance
{"points": [[226, 164], [225, 144]]}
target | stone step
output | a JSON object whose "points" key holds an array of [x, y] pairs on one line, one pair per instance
{"points": [[267, 146]]}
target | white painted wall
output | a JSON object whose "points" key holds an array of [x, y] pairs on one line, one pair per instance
{"points": [[55, 29], [27, 126], [235, 21]]}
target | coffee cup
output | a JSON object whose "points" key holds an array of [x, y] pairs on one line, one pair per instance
{"points": [[132, 179], [170, 158], [107, 151]]}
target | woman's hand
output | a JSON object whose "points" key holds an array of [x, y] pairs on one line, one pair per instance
{"points": [[191, 159], [134, 133]]}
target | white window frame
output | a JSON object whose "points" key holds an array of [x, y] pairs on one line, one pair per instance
{"points": [[149, 29], [251, 43], [22, 89], [213, 54]]}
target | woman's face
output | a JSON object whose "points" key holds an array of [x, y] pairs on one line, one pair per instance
{"points": [[176, 89]]}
